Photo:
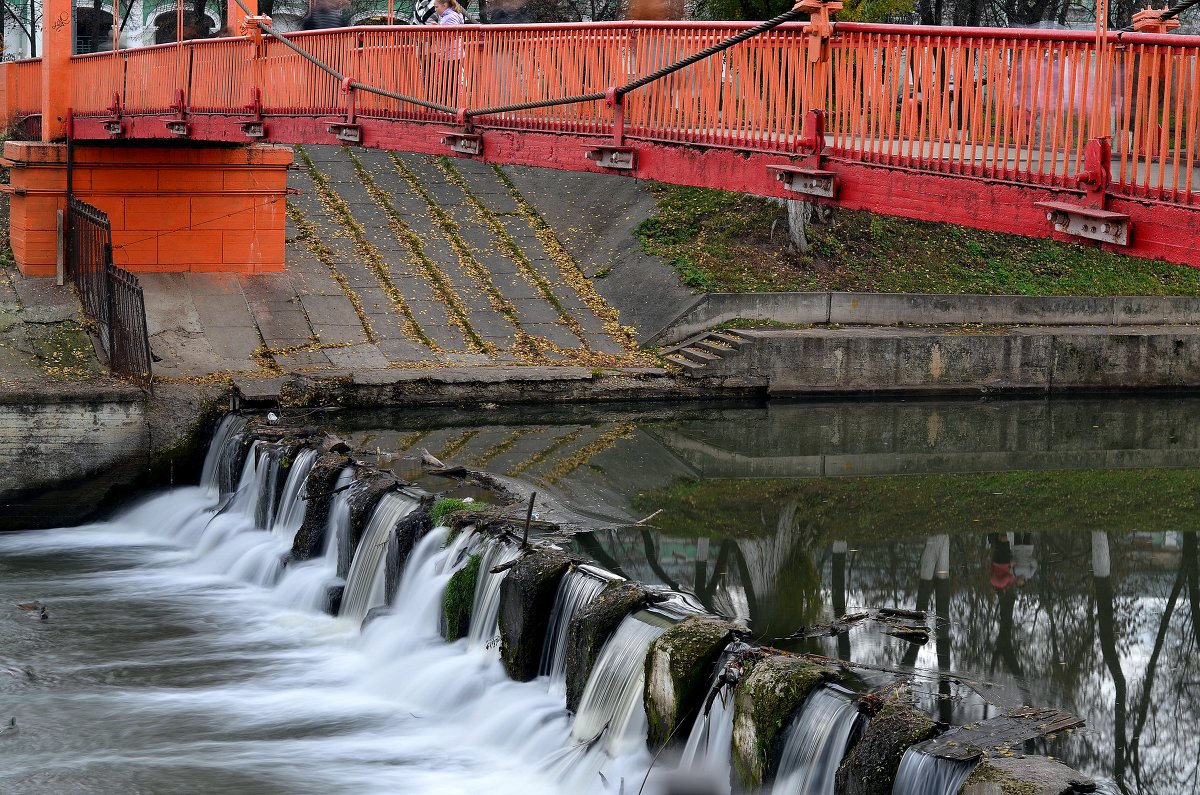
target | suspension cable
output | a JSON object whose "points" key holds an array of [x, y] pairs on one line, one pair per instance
{"points": [[595, 96]]}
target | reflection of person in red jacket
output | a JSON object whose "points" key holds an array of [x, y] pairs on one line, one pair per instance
{"points": [[1001, 570]]}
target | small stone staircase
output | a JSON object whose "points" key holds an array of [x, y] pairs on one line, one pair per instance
{"points": [[707, 350]]}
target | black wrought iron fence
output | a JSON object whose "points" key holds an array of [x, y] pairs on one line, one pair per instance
{"points": [[111, 295]]}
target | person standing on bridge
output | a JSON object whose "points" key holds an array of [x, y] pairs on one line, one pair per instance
{"points": [[449, 12]]}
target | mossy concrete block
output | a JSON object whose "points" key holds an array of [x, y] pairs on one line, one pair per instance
{"points": [[318, 492], [401, 542], [526, 601], [1025, 775], [679, 671], [870, 766], [763, 702], [363, 500], [591, 627], [459, 599]]}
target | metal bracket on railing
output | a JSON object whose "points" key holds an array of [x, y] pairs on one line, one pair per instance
{"points": [[807, 177], [807, 181], [112, 124], [607, 156], [1090, 219], [251, 26], [179, 125], [819, 26], [1150, 20], [1089, 222], [463, 143], [350, 133], [255, 128]]}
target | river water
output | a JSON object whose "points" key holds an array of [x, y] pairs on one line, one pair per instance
{"points": [[1053, 545]]}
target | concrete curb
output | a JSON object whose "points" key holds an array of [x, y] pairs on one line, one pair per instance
{"points": [[897, 309]]}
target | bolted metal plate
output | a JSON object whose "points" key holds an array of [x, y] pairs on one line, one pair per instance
{"points": [[254, 129], [807, 181], [350, 133], [622, 157], [177, 127], [464, 144], [1088, 222], [113, 127]]}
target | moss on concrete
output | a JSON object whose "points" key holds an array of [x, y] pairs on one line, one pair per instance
{"points": [[763, 703], [679, 672], [870, 766], [591, 627], [459, 598]]}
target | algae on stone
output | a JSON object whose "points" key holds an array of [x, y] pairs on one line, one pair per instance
{"points": [[526, 600], [764, 700], [870, 766], [459, 598], [679, 671], [591, 627]]}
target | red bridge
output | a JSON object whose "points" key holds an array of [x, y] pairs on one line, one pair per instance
{"points": [[1076, 135]]}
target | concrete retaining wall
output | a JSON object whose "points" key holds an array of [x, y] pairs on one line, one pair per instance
{"points": [[894, 309], [883, 360]]}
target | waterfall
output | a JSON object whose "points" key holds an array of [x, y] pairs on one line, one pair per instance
{"points": [[709, 744], [611, 709], [485, 610], [366, 579], [305, 586], [925, 774], [221, 459], [577, 590], [815, 744], [293, 503]]}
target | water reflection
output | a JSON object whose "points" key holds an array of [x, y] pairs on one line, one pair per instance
{"points": [[1053, 545]]}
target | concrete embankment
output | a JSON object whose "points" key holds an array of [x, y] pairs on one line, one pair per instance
{"points": [[923, 309], [940, 361]]}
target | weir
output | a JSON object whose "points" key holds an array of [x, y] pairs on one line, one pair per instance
{"points": [[454, 701]]}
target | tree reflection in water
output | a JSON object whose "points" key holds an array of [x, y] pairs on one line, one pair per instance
{"points": [[1102, 624]]}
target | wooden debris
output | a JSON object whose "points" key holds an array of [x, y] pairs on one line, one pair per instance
{"points": [[999, 734]]}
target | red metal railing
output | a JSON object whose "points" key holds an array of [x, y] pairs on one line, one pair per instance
{"points": [[23, 84], [1011, 105]]}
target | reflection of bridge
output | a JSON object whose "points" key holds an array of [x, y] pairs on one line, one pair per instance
{"points": [[975, 126]]}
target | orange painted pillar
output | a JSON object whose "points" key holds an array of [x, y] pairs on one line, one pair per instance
{"points": [[235, 17], [58, 40]]}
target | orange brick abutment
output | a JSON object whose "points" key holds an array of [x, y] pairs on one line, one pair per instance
{"points": [[173, 208]]}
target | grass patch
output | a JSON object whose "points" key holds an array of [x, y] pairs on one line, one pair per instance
{"points": [[728, 242], [460, 598], [446, 506]]}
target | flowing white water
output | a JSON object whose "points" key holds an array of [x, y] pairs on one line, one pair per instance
{"points": [[200, 684], [577, 590], [709, 745], [924, 774], [485, 610], [816, 742], [611, 706], [305, 586], [294, 504], [217, 477], [367, 575]]}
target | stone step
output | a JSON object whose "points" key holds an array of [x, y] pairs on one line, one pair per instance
{"points": [[690, 367], [715, 348], [728, 338], [697, 355]]}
